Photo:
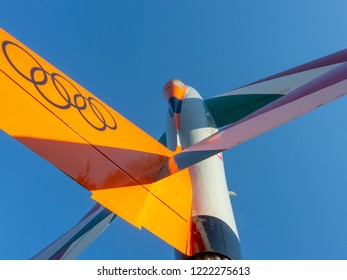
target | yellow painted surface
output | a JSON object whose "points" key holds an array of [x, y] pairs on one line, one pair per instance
{"points": [[74, 130], [164, 211], [83, 112], [88, 116]]}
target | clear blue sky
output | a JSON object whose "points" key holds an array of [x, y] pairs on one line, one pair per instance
{"points": [[291, 182]]}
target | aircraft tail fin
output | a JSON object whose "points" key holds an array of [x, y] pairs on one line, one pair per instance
{"points": [[93, 144]]}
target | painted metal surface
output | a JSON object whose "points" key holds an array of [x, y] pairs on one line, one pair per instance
{"points": [[211, 206], [132, 174], [90, 120], [93, 144], [302, 92]]}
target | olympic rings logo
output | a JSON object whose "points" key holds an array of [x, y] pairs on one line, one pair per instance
{"points": [[64, 95]]}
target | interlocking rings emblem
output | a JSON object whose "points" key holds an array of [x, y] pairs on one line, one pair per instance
{"points": [[57, 90]]}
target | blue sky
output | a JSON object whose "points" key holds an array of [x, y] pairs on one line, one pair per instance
{"points": [[291, 182]]}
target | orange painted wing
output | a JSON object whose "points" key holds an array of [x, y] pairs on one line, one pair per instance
{"points": [[93, 144]]}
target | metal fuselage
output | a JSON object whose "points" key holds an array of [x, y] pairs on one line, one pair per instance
{"points": [[213, 232]]}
